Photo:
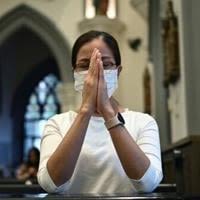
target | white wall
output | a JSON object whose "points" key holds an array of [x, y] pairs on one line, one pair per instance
{"points": [[131, 91], [66, 14]]}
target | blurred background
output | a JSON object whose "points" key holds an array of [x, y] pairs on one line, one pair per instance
{"points": [[160, 45]]}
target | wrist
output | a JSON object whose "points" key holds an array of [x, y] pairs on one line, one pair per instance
{"points": [[115, 121], [108, 113], [85, 110]]}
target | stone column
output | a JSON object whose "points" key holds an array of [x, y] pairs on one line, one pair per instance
{"points": [[155, 51], [67, 96], [191, 32]]}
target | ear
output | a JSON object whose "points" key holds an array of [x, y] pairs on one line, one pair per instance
{"points": [[119, 70]]}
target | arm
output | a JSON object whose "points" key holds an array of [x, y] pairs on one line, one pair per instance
{"points": [[56, 151], [136, 165], [66, 155], [22, 172], [133, 154], [60, 154], [133, 159], [138, 161]]}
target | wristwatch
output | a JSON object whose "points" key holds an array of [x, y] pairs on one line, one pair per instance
{"points": [[115, 121]]}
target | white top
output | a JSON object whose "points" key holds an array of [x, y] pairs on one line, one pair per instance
{"points": [[98, 169]]}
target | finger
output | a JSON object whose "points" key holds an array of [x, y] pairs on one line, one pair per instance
{"points": [[98, 59], [91, 64], [100, 80], [96, 69], [99, 54], [94, 51], [92, 56], [92, 59], [101, 71]]}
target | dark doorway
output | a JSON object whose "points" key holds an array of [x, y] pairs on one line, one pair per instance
{"points": [[25, 60], [31, 47]]}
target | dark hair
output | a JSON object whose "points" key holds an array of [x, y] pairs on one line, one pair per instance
{"points": [[37, 154], [91, 35]]}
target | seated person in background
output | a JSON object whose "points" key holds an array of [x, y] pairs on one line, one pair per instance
{"points": [[28, 169], [102, 147]]}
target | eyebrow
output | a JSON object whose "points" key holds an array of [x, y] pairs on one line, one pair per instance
{"points": [[84, 59], [103, 58]]}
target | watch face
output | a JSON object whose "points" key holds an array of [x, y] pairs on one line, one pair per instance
{"points": [[121, 119]]}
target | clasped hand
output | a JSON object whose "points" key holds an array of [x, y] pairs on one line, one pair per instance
{"points": [[95, 96]]}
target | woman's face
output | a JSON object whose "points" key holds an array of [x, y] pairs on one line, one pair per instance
{"points": [[85, 52]]}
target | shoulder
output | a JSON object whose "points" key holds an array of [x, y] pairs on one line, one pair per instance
{"points": [[138, 115], [60, 122], [140, 119], [62, 118]]}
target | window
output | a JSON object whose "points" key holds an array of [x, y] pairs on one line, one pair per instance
{"points": [[43, 103], [107, 8]]}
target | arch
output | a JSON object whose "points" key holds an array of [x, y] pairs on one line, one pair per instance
{"points": [[20, 17], [20, 101], [22, 93], [23, 15]]}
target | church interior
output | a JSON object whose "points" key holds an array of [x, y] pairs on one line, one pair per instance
{"points": [[159, 43]]}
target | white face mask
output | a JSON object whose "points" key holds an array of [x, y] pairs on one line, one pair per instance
{"points": [[110, 77]]}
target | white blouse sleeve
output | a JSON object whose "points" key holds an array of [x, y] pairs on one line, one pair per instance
{"points": [[149, 142], [50, 140]]}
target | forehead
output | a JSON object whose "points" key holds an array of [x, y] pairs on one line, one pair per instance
{"points": [[86, 50]]}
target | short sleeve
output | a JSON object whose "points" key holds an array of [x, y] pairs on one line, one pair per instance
{"points": [[50, 140], [149, 142]]}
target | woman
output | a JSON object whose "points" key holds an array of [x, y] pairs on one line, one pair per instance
{"points": [[96, 149], [28, 170]]}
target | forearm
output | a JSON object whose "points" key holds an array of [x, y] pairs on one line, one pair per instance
{"points": [[23, 176], [133, 159], [62, 162]]}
